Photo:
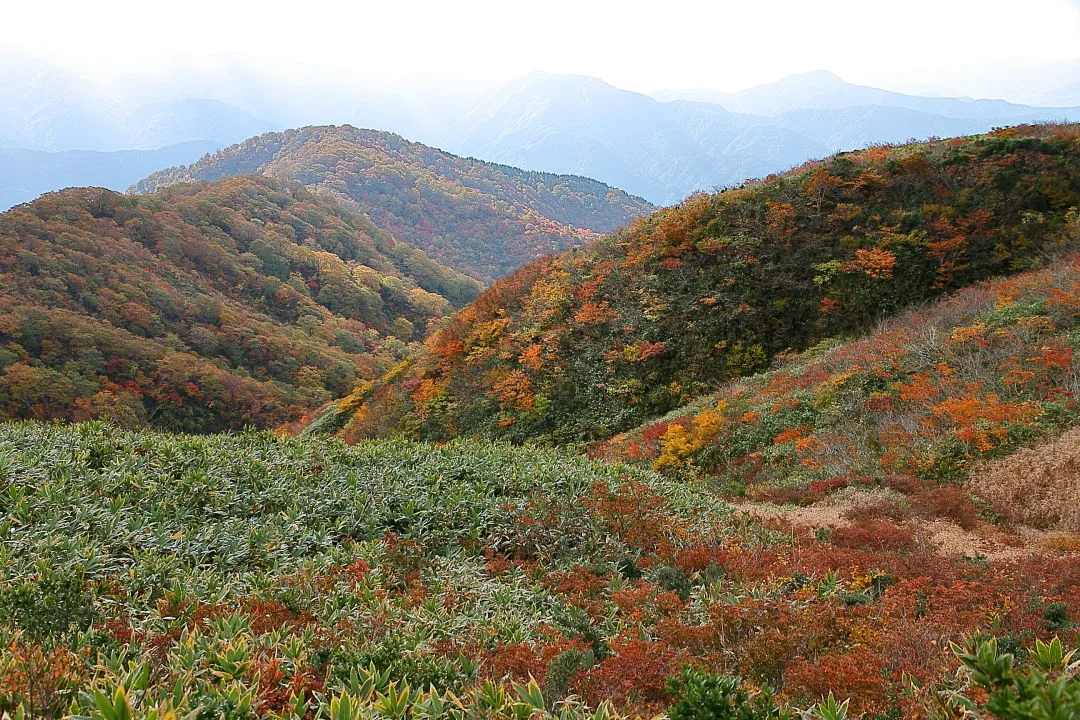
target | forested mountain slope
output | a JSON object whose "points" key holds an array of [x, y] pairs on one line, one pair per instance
{"points": [[482, 219], [925, 400], [596, 340], [204, 307]]}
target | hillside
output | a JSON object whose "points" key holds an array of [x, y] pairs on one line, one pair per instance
{"points": [[246, 576], [481, 219], [596, 340], [940, 397], [204, 307]]}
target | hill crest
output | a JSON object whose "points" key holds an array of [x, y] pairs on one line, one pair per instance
{"points": [[584, 344], [483, 219]]}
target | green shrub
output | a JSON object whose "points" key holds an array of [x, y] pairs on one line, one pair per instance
{"points": [[701, 696], [1045, 687], [673, 580]]}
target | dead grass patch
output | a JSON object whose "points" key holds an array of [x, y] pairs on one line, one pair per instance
{"points": [[1037, 486]]}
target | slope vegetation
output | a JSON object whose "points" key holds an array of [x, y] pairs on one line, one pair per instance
{"points": [[596, 340], [203, 307], [241, 576], [921, 405], [482, 219]]}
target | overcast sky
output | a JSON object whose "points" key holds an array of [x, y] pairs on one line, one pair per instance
{"points": [[983, 48]]}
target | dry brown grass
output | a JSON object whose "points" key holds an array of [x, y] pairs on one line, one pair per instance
{"points": [[1063, 542], [848, 510], [1039, 486]]}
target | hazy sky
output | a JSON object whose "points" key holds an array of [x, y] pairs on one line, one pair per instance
{"points": [[977, 47]]}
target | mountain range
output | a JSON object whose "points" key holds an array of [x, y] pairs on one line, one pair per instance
{"points": [[825, 90], [665, 149], [26, 174], [661, 147]]}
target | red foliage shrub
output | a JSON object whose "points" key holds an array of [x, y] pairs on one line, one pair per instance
{"points": [[876, 535], [824, 487], [905, 483], [635, 674], [634, 513], [786, 495], [947, 502], [696, 558], [581, 587], [275, 688], [267, 615], [855, 674], [654, 432], [877, 511]]}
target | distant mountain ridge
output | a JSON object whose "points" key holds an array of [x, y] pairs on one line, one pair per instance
{"points": [[26, 174], [480, 218], [661, 147], [45, 108], [821, 89], [664, 149]]}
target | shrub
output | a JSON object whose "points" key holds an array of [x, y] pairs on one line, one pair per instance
{"points": [[1046, 687], [701, 696], [1064, 542], [563, 670], [48, 608], [875, 535], [636, 673], [674, 580], [947, 502]]}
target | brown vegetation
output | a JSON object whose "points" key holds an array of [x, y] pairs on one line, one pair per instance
{"points": [[1039, 486]]}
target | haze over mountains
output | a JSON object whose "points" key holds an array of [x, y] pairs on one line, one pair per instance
{"points": [[661, 148], [47, 108], [25, 174]]}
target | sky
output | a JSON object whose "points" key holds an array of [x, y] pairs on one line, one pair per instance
{"points": [[982, 48]]}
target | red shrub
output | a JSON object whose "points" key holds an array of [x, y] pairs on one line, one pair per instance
{"points": [[904, 483], [696, 558], [786, 495], [876, 535], [267, 615], [947, 502], [855, 674], [824, 487], [634, 675], [877, 511]]}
